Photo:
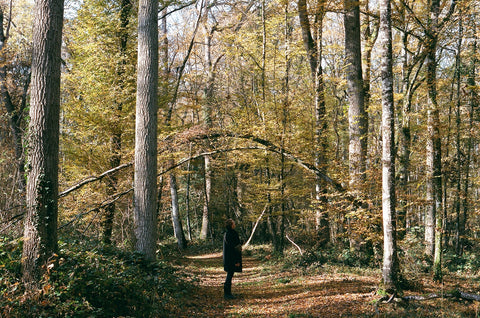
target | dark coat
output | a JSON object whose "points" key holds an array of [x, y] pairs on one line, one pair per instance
{"points": [[232, 251]]}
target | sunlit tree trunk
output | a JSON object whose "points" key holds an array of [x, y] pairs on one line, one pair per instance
{"points": [[145, 192], [40, 236], [357, 117], [177, 223], [207, 190], [356, 112], [164, 100], [390, 261], [187, 197], [207, 117], [433, 219]]}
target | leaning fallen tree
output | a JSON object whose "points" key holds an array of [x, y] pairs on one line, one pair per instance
{"points": [[457, 294]]}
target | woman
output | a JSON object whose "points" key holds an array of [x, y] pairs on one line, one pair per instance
{"points": [[232, 256]]}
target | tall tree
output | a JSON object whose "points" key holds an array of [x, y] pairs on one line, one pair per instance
{"points": [[207, 116], [356, 112], [390, 261], [473, 106], [313, 46], [98, 95], [411, 67], [40, 235], [434, 215], [176, 220], [116, 138], [357, 117], [145, 184]]}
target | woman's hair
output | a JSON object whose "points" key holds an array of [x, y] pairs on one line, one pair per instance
{"points": [[229, 224]]}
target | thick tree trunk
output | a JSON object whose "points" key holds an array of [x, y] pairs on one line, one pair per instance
{"points": [[40, 236], [145, 192], [390, 260], [356, 112], [357, 117]]}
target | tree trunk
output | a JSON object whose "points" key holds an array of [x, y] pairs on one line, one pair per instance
{"points": [[177, 222], [313, 47], [146, 130], [187, 197], [473, 106], [356, 113], [207, 191], [116, 139], [390, 260], [207, 117], [433, 219], [458, 177], [40, 236], [357, 118]]}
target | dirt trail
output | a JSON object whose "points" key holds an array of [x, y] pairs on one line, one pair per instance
{"points": [[264, 291]]}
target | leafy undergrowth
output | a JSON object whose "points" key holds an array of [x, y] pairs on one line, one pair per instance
{"points": [[89, 280], [269, 288]]}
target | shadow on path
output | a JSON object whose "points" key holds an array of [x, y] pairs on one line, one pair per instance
{"points": [[267, 292]]}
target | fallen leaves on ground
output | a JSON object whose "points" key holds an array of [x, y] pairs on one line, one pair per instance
{"points": [[264, 290]]}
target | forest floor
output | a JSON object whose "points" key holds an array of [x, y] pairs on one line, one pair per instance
{"points": [[265, 289]]}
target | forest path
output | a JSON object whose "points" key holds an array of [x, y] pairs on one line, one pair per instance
{"points": [[265, 290]]}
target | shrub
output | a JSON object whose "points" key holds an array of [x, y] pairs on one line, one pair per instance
{"points": [[88, 281]]}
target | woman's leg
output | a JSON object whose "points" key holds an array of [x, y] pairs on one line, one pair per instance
{"points": [[227, 287], [228, 280]]}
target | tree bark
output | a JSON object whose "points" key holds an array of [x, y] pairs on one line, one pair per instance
{"points": [[206, 204], [473, 101], [187, 197], [177, 222], [207, 117], [390, 260], [458, 177], [40, 236], [356, 112], [145, 192], [313, 47], [433, 219], [357, 117]]}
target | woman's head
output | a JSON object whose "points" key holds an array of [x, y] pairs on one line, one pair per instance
{"points": [[229, 224]]}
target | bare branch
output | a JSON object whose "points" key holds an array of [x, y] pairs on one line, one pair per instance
{"points": [[94, 178]]}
